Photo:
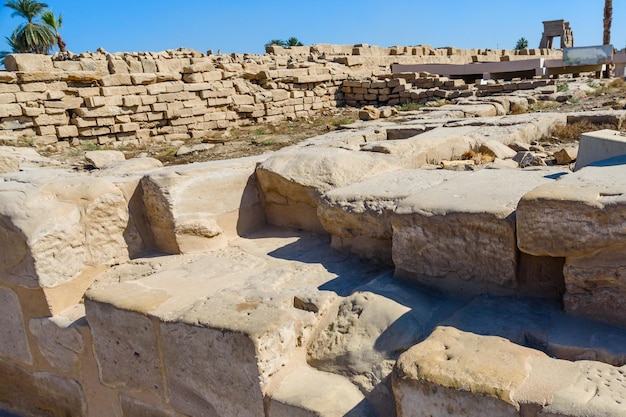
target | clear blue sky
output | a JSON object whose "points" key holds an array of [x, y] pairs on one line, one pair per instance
{"points": [[246, 25]]}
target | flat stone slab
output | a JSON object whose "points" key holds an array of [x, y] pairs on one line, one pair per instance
{"points": [[459, 236], [358, 216]]}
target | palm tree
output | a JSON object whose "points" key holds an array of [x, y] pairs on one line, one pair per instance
{"points": [[55, 24], [522, 43], [608, 19], [293, 41], [277, 42], [31, 36], [15, 48]]}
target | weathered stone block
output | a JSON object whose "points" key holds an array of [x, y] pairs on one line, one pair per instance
{"points": [[292, 182], [195, 207], [14, 342], [459, 236]]}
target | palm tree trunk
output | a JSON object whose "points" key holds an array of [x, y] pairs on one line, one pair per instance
{"points": [[61, 44], [608, 19]]}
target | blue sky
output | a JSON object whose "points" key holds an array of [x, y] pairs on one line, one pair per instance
{"points": [[246, 25]]}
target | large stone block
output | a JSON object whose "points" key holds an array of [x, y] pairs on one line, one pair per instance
{"points": [[29, 63], [460, 235], [358, 216], [293, 181], [596, 285], [576, 215], [199, 206], [57, 230]]}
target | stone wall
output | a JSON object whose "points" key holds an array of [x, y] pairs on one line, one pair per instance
{"points": [[127, 98]]}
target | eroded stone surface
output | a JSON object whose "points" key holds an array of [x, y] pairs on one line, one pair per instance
{"points": [[359, 216], [292, 181], [460, 235], [576, 215], [200, 206], [311, 393]]}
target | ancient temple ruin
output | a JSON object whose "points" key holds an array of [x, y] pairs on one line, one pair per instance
{"points": [[556, 28]]}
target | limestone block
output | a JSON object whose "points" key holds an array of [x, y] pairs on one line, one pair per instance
{"points": [[126, 347], [363, 341], [614, 117], [30, 393], [566, 155], [293, 181], [104, 111], [9, 110], [496, 149], [576, 215], [459, 236], [430, 147], [69, 131], [359, 216], [310, 393], [29, 63], [596, 285], [100, 159], [594, 389], [14, 342], [59, 338], [56, 230], [460, 374], [195, 207]]}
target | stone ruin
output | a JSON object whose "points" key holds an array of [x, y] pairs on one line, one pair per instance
{"points": [[557, 29], [347, 275]]}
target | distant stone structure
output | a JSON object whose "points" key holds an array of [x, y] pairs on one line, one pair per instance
{"points": [[554, 28]]}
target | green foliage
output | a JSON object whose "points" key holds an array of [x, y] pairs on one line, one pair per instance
{"points": [[293, 41], [410, 106], [562, 88], [55, 23], [32, 36], [277, 42], [522, 43]]}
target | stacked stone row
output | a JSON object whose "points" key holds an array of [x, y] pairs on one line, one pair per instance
{"points": [[129, 105]]}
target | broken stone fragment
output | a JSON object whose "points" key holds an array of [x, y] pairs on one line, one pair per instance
{"points": [[566, 155], [101, 159]]}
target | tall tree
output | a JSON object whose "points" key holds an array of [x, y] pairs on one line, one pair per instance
{"points": [[608, 20], [31, 36], [277, 42], [293, 41], [55, 24], [15, 49]]}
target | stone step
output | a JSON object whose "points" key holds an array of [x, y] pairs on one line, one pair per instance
{"points": [[358, 217], [210, 330], [470, 375], [580, 217], [460, 236]]}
